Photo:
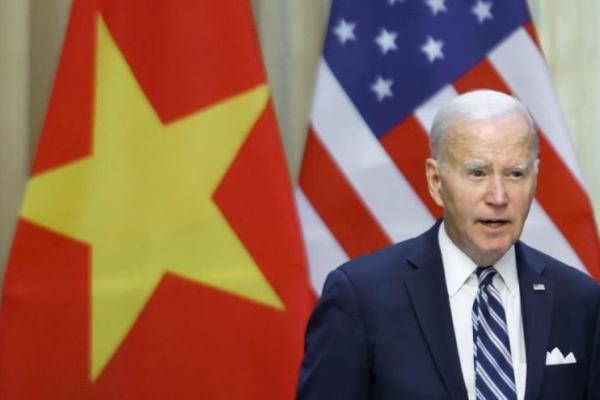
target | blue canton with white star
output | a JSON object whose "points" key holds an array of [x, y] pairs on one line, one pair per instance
{"points": [[390, 56]]}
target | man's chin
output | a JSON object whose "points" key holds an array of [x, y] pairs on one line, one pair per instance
{"points": [[491, 252]]}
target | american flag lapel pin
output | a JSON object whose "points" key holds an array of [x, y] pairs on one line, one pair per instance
{"points": [[539, 286]]}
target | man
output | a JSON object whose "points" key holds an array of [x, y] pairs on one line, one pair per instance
{"points": [[465, 310]]}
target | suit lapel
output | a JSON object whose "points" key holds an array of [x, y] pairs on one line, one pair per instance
{"points": [[429, 295], [536, 308]]}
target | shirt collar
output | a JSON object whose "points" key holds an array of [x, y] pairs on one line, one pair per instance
{"points": [[507, 269], [458, 267]]}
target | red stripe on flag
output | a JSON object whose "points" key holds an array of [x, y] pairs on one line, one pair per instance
{"points": [[568, 206], [482, 75], [338, 205], [407, 145], [558, 192], [530, 28]]}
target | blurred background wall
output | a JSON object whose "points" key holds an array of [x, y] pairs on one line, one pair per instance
{"points": [[291, 34]]}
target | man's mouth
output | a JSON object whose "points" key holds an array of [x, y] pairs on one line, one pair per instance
{"points": [[494, 223]]}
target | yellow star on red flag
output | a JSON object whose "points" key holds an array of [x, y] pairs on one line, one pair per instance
{"points": [[143, 201]]}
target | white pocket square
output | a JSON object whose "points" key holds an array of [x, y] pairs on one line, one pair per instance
{"points": [[556, 357]]}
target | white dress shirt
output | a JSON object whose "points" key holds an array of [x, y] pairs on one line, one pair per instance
{"points": [[462, 284]]}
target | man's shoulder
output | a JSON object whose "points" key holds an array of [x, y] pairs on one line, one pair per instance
{"points": [[393, 260], [564, 275]]}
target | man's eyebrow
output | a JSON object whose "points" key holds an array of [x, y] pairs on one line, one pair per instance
{"points": [[523, 166], [474, 164]]}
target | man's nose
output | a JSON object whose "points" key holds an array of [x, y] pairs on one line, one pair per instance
{"points": [[496, 192]]}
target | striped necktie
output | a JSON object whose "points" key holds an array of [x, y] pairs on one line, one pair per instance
{"points": [[494, 374]]}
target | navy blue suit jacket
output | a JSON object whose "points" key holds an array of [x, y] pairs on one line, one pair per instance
{"points": [[383, 329]]}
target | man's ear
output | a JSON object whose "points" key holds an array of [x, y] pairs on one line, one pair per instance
{"points": [[434, 181]]}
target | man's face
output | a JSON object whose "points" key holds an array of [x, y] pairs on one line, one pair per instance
{"points": [[485, 180]]}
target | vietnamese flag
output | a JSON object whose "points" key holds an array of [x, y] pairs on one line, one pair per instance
{"points": [[158, 254]]}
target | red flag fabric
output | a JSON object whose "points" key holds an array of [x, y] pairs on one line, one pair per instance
{"points": [[386, 68], [158, 254]]}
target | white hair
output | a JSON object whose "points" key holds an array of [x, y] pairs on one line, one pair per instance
{"points": [[473, 106]]}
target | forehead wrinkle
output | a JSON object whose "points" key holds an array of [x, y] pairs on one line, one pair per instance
{"points": [[453, 141], [471, 144]]}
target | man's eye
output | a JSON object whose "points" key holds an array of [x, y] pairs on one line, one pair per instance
{"points": [[517, 174], [477, 173]]}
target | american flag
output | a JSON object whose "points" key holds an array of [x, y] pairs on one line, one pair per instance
{"points": [[386, 67]]}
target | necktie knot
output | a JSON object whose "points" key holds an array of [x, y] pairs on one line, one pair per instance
{"points": [[485, 275]]}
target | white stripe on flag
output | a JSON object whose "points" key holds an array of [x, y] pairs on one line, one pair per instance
{"points": [[425, 113], [530, 81], [541, 233], [323, 251], [363, 161]]}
